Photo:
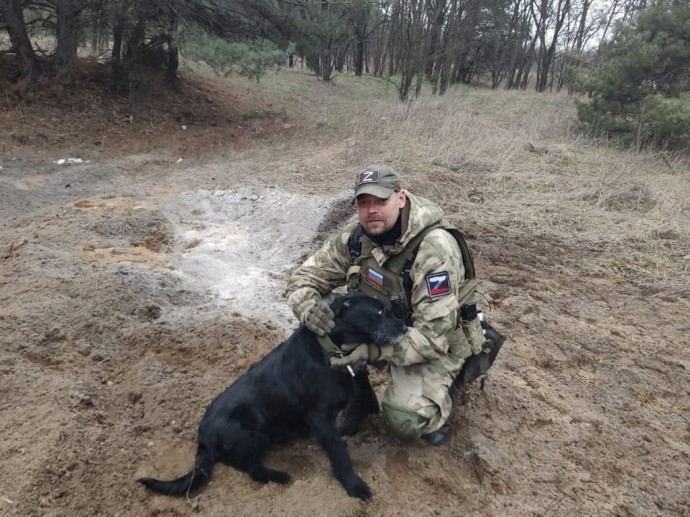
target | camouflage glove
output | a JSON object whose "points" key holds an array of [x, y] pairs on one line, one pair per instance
{"points": [[357, 359], [380, 353], [319, 319]]}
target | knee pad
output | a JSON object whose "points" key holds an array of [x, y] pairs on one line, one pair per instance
{"points": [[404, 424]]}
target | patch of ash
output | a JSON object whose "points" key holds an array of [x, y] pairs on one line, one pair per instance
{"points": [[240, 245]]}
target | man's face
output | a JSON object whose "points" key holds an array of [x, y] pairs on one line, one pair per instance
{"points": [[377, 215]]}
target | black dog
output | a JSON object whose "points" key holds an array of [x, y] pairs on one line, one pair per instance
{"points": [[291, 390]]}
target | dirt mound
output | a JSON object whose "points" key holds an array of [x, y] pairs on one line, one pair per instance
{"points": [[195, 117]]}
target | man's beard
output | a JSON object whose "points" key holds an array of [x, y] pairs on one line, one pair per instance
{"points": [[386, 237], [376, 230]]}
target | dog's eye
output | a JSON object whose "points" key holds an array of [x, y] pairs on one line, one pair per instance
{"points": [[380, 312]]}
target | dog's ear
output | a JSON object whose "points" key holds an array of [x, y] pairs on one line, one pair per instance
{"points": [[339, 304]]}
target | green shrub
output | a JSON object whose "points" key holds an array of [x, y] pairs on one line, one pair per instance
{"points": [[247, 58], [666, 120]]}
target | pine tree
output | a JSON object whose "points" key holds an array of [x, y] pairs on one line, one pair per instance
{"points": [[639, 86]]}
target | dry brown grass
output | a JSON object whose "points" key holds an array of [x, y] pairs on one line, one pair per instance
{"points": [[502, 161], [513, 162]]}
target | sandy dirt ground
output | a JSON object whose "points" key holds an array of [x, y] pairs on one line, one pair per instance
{"points": [[133, 290]]}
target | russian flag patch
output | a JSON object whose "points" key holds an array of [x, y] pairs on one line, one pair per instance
{"points": [[375, 277], [438, 284]]}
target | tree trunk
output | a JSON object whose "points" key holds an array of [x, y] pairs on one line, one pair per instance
{"points": [[172, 63], [21, 44], [339, 59], [118, 73], [173, 56], [582, 28], [546, 55], [359, 51], [436, 21], [449, 39], [66, 36]]}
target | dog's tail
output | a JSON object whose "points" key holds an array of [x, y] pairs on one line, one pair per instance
{"points": [[200, 475]]}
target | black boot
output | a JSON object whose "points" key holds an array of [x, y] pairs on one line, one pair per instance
{"points": [[440, 435], [362, 403], [477, 365]]}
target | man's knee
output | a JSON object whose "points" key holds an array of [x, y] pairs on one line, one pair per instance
{"points": [[404, 423]]}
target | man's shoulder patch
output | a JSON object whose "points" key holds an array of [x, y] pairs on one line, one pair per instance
{"points": [[438, 284]]}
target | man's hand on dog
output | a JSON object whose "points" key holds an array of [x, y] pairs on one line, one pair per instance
{"points": [[362, 355], [357, 359], [380, 353], [320, 319]]}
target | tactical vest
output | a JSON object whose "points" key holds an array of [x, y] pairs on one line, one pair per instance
{"points": [[391, 283]]}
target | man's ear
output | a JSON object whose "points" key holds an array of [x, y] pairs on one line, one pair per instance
{"points": [[402, 199]]}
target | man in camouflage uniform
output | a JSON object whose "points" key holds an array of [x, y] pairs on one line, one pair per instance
{"points": [[420, 392]]}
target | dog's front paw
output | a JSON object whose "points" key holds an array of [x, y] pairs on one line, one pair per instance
{"points": [[263, 475], [358, 488], [280, 477]]}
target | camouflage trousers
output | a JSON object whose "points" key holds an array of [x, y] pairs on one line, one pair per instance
{"points": [[416, 400]]}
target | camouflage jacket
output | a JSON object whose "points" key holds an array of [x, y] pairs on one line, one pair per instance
{"points": [[434, 332]]}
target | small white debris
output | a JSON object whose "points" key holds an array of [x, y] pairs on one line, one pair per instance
{"points": [[70, 161], [178, 160], [184, 128]]}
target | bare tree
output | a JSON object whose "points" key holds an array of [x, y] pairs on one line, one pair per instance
{"points": [[25, 57], [449, 48], [521, 47], [548, 18], [406, 44], [465, 64], [436, 13]]}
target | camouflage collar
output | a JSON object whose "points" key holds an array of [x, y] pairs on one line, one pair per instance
{"points": [[333, 350], [329, 347]]}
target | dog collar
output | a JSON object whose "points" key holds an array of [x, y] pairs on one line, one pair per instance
{"points": [[329, 346], [332, 350]]}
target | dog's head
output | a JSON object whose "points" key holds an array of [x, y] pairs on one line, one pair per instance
{"points": [[362, 319]]}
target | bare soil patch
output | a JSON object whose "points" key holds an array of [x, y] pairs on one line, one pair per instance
{"points": [[134, 288]]}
